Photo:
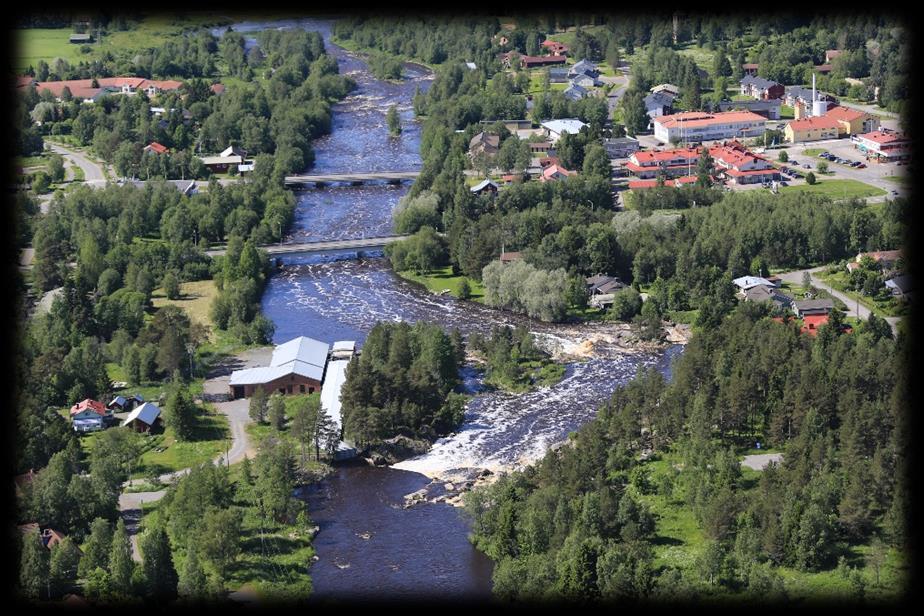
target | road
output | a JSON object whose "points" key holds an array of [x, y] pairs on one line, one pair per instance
{"points": [[759, 461], [854, 309], [92, 172]]}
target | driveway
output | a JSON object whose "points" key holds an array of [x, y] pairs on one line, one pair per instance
{"points": [[854, 308], [93, 173], [130, 508], [759, 462]]}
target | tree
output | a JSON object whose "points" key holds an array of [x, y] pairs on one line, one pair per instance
{"points": [[33, 567], [121, 565], [394, 121], [258, 406], [810, 178], [721, 66], [221, 531], [62, 573], [627, 302], [634, 114], [783, 157], [822, 167], [98, 548], [41, 182], [56, 167], [692, 99], [704, 169], [180, 412], [277, 411], [159, 572], [464, 289], [171, 285], [596, 162], [193, 582]]}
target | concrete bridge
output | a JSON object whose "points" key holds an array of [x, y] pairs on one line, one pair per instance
{"points": [[353, 178], [325, 246]]}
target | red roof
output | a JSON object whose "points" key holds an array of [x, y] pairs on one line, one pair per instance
{"points": [[23, 81], [825, 121], [844, 113], [92, 405], [157, 148], [641, 184], [750, 66], [699, 119], [83, 88], [549, 172], [811, 323], [882, 137], [217, 88], [527, 60], [823, 68]]}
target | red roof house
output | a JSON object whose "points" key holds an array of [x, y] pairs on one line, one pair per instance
{"points": [[811, 323], [217, 88], [91, 405], [156, 148]]}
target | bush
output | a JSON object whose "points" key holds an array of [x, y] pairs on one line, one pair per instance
{"points": [[783, 157], [171, 285], [465, 289], [810, 178]]}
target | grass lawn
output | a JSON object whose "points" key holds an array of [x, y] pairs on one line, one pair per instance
{"points": [[837, 189], [79, 175], [787, 112], [813, 151], [258, 432], [687, 317], [704, 59], [211, 438], [442, 279], [195, 300], [881, 308], [901, 180]]}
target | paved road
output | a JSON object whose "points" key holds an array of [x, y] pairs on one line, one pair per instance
{"points": [[854, 309], [93, 173], [873, 109], [759, 461]]}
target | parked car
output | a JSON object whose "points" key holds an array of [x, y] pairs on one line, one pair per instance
{"points": [[806, 166], [793, 162], [824, 154], [895, 192], [861, 166]]}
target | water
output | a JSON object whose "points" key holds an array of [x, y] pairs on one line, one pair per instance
{"points": [[369, 545]]}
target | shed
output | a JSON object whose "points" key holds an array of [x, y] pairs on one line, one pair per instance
{"points": [[143, 418]]}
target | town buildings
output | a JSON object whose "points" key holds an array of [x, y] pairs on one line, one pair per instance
{"points": [[769, 108], [883, 145], [556, 128], [836, 122], [760, 88], [297, 366], [731, 161], [696, 126]]}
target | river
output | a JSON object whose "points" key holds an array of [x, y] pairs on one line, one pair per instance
{"points": [[369, 544]]}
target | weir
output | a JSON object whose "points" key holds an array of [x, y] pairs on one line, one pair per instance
{"points": [[325, 246]]}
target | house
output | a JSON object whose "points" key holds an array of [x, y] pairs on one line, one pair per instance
{"points": [[823, 69], [297, 366], [659, 103], [760, 88], [555, 48], [156, 148], [763, 293], [232, 155], [89, 416], [470, 66], [537, 61], [554, 129], [123, 403], [143, 418], [538, 147], [748, 282], [584, 81], [697, 126], [583, 67], [80, 39], [647, 165], [853, 121], [803, 307], [510, 257], [884, 146], [601, 284], [50, 537], [555, 172], [575, 92], [812, 322], [483, 143], [668, 88], [750, 68], [900, 287], [811, 129], [620, 147], [733, 161], [830, 54], [885, 259], [769, 108], [558, 75], [800, 99], [484, 186]]}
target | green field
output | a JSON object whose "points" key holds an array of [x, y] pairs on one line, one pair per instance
{"points": [[813, 151], [443, 279], [787, 112], [837, 189], [211, 438], [881, 308], [195, 300]]}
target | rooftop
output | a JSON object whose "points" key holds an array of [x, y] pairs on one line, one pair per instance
{"points": [[693, 119]]}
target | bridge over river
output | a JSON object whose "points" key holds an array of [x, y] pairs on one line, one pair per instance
{"points": [[353, 178], [305, 248]]}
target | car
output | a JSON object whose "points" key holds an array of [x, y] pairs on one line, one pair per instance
{"points": [[793, 162], [895, 192], [861, 166], [784, 183], [806, 166], [825, 154], [855, 163]]}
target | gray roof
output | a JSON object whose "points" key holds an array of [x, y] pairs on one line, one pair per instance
{"points": [[900, 283], [583, 65], [482, 185], [659, 99], [751, 105], [746, 282], [575, 92], [764, 293], [301, 349], [804, 305], [330, 391], [758, 82], [146, 413]]}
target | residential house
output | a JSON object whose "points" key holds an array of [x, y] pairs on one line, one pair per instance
{"points": [[812, 322], [733, 161], [659, 103], [585, 81], [155, 147], [668, 88], [575, 92], [760, 88], [601, 284], [123, 403], [769, 108], [297, 366], [749, 282], [528, 62], [485, 186], [539, 147], [217, 88], [556, 128], [648, 164], [510, 257], [555, 173], [143, 418], [483, 143], [695, 126], [89, 416], [558, 75], [231, 156], [883, 145], [620, 147], [900, 287], [750, 68], [80, 39], [555, 48], [584, 67], [803, 307], [830, 54], [886, 259], [764, 293]]}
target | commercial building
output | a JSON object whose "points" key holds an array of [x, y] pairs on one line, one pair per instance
{"points": [[883, 145], [620, 147], [769, 108], [696, 126], [556, 128], [731, 161], [836, 122], [297, 366]]}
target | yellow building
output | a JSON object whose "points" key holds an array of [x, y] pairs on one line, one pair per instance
{"points": [[812, 129], [853, 121]]}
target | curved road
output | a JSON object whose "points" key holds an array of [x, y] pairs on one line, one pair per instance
{"points": [[92, 172]]}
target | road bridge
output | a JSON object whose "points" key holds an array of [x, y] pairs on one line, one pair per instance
{"points": [[305, 248], [353, 178]]}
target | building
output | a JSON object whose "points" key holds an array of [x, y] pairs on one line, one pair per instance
{"points": [[575, 92], [672, 182], [669, 88], [90, 90], [143, 418], [696, 126], [89, 416], [659, 103], [811, 129], [231, 156], [764, 293], [769, 108], [824, 69], [731, 160], [883, 146], [670, 163], [122, 403], [554, 129], [734, 161], [155, 147], [483, 143], [602, 284], [217, 88], [852, 121], [900, 287], [297, 366], [471, 66], [555, 48], [812, 322], [620, 147], [483, 187], [584, 67], [750, 68], [749, 282], [585, 81], [800, 99], [510, 257], [760, 88], [80, 39], [808, 307], [555, 173], [830, 54], [886, 259], [539, 147], [537, 61], [558, 75]]}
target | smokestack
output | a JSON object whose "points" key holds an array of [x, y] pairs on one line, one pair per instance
{"points": [[813, 91]]}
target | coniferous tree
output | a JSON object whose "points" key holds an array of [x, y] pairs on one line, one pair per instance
{"points": [[97, 550], [33, 568], [121, 565], [193, 584], [277, 411], [159, 572], [62, 573], [258, 403]]}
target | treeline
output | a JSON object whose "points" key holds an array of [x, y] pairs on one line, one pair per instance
{"points": [[575, 526], [513, 360], [401, 384]]}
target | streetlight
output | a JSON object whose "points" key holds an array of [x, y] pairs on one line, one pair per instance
{"points": [[190, 349]]}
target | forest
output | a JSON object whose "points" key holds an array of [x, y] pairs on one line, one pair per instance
{"points": [[585, 523]]}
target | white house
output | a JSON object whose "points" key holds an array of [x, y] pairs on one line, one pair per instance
{"points": [[556, 128]]}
